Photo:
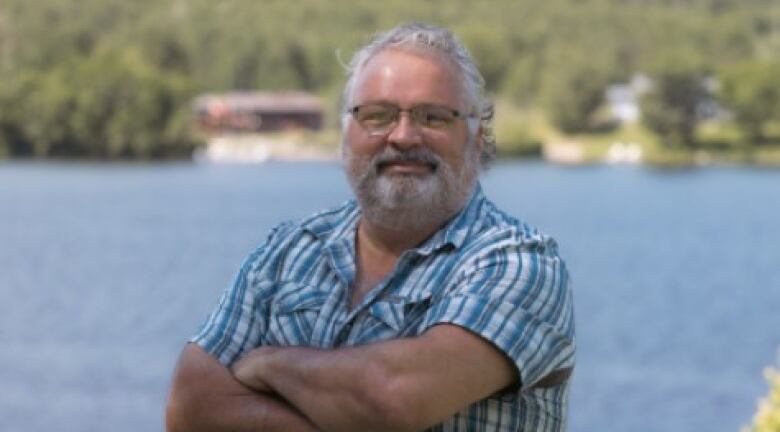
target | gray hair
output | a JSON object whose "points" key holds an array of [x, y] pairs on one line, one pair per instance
{"points": [[444, 45]]}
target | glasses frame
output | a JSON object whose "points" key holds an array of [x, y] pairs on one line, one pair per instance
{"points": [[384, 130]]}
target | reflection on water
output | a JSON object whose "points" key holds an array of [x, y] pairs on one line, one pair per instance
{"points": [[107, 269]]}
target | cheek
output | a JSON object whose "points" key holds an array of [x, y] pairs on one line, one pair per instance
{"points": [[452, 153], [355, 156], [356, 143]]}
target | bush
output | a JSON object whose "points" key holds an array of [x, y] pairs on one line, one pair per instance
{"points": [[767, 418]]}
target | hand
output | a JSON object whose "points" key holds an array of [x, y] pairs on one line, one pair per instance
{"points": [[250, 368]]}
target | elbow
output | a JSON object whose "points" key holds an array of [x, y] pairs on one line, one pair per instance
{"points": [[173, 421], [176, 415], [186, 412]]}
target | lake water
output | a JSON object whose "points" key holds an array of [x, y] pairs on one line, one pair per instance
{"points": [[105, 270]]}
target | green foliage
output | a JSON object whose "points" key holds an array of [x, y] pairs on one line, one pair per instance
{"points": [[108, 105], [751, 90], [59, 57], [672, 107], [518, 132], [573, 95], [767, 418], [522, 80], [490, 50]]}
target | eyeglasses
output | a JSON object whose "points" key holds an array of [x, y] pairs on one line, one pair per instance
{"points": [[380, 118]]}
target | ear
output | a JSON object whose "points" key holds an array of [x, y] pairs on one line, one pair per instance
{"points": [[479, 139]]}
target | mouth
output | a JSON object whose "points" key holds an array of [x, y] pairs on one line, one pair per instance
{"points": [[406, 168]]}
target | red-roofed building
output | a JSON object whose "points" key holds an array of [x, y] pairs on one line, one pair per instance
{"points": [[257, 112]]}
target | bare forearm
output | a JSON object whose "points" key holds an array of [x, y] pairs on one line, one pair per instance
{"points": [[250, 413], [402, 384], [237, 413], [206, 398], [333, 388]]}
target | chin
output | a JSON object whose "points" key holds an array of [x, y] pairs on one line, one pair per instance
{"points": [[407, 191], [408, 203]]}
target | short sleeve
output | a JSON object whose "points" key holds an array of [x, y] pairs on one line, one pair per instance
{"points": [[517, 297], [237, 324]]}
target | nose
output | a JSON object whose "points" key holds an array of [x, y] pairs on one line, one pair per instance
{"points": [[405, 133]]}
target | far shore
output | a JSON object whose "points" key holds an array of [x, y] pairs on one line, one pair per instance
{"points": [[322, 146], [302, 146]]}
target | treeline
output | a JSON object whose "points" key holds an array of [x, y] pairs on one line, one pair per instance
{"points": [[114, 79]]}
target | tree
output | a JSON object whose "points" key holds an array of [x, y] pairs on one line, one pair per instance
{"points": [[672, 107], [126, 107], [751, 89], [13, 137], [572, 94], [489, 47], [111, 104]]}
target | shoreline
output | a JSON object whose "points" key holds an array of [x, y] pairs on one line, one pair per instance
{"points": [[298, 146]]}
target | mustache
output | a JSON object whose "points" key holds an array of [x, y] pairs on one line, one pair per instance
{"points": [[422, 155]]}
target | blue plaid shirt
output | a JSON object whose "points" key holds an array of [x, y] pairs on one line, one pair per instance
{"points": [[484, 271]]}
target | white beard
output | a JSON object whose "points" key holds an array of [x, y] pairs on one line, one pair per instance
{"points": [[410, 202]]}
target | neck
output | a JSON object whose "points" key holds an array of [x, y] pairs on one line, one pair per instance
{"points": [[378, 247], [391, 241]]}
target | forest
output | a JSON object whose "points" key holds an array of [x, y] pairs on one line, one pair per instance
{"points": [[110, 79]]}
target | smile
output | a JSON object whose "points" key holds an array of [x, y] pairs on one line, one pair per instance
{"points": [[406, 168]]}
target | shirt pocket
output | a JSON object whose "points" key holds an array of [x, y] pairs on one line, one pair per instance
{"points": [[294, 313], [394, 316]]}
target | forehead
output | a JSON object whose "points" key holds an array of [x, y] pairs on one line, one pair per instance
{"points": [[406, 77]]}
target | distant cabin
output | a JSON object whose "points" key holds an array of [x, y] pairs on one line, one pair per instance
{"points": [[251, 112], [623, 98]]}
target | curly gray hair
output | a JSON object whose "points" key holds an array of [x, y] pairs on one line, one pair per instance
{"points": [[443, 44]]}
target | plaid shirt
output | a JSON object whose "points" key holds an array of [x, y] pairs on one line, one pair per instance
{"points": [[484, 271]]}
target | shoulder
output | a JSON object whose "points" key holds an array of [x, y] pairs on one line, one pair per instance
{"points": [[505, 257], [499, 234], [512, 262], [295, 240]]}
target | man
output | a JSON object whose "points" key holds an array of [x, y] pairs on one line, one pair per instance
{"points": [[418, 305]]}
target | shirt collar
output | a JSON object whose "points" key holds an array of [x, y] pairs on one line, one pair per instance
{"points": [[339, 224], [334, 222], [455, 232]]}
